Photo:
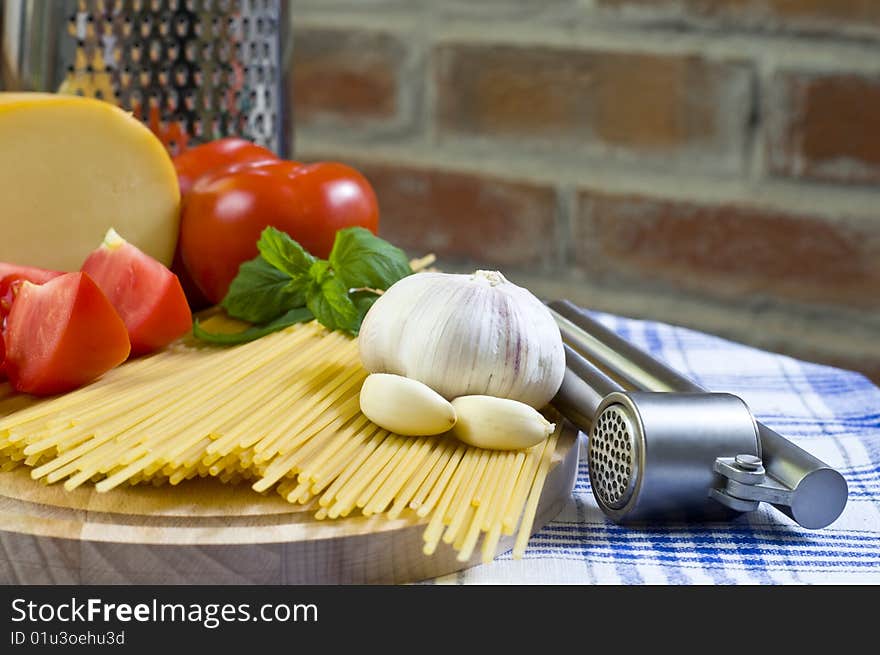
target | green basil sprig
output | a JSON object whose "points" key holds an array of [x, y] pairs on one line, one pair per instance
{"points": [[284, 284]]}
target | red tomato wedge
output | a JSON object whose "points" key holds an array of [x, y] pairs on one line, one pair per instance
{"points": [[11, 277], [61, 335], [2, 357], [11, 273], [29, 273], [147, 295]]}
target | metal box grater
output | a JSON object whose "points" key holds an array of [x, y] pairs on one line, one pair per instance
{"points": [[193, 70]]}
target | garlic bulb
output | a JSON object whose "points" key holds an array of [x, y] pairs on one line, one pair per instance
{"points": [[464, 335]]}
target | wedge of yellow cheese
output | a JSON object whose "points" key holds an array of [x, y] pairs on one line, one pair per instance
{"points": [[70, 169]]}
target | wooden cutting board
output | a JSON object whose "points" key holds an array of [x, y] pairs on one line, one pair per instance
{"points": [[206, 532]]}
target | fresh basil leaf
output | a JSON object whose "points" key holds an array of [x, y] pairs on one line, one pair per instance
{"points": [[319, 271], [328, 300], [284, 253], [298, 315], [260, 292], [271, 289], [361, 259]]}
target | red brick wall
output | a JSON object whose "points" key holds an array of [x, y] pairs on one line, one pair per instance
{"points": [[815, 15], [712, 163]]}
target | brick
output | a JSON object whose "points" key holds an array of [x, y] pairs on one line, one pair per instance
{"points": [[728, 250], [641, 104], [342, 76], [825, 127], [784, 14], [463, 217], [552, 11]]}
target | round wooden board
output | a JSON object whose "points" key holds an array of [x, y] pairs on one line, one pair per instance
{"points": [[205, 532]]}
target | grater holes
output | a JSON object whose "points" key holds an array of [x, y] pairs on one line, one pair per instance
{"points": [[178, 64]]}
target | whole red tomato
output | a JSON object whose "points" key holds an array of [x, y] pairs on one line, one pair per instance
{"points": [[224, 214], [195, 162]]}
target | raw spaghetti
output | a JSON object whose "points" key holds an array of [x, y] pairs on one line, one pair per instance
{"points": [[281, 412]]}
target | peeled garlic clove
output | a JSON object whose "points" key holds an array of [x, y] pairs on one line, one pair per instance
{"points": [[405, 406], [499, 423], [464, 335]]}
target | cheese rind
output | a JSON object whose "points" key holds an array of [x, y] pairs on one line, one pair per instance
{"points": [[70, 169]]}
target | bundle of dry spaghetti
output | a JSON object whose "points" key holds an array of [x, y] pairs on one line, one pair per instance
{"points": [[282, 412]]}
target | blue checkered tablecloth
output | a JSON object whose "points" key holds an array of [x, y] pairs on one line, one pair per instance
{"points": [[834, 414]]}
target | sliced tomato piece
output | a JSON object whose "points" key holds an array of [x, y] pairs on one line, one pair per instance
{"points": [[29, 273], [2, 357], [11, 273], [61, 335], [147, 295], [11, 278]]}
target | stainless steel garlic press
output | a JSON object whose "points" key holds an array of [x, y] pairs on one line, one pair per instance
{"points": [[669, 449]]}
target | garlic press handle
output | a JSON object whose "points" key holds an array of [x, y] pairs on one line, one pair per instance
{"points": [[583, 389], [818, 492]]}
